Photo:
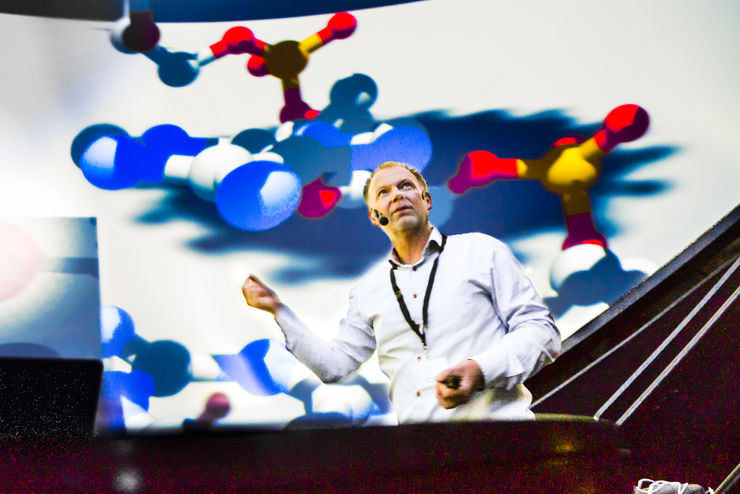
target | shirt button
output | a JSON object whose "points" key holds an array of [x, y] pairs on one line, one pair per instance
{"points": [[414, 295], [418, 358], [418, 393]]}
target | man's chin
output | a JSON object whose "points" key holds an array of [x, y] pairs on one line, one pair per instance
{"points": [[408, 223]]}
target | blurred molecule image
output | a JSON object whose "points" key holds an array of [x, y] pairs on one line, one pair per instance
{"points": [[138, 372], [284, 60], [256, 179], [569, 169]]}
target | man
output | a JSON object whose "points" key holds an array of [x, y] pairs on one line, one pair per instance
{"points": [[458, 327]]}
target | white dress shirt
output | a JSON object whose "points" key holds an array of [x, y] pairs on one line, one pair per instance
{"points": [[481, 307]]}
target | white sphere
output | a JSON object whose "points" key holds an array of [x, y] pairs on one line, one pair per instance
{"points": [[579, 258], [352, 401], [212, 165], [284, 131]]}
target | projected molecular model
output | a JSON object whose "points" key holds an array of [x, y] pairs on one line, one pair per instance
{"points": [[569, 170], [284, 60], [263, 368], [251, 192], [305, 167], [353, 155]]}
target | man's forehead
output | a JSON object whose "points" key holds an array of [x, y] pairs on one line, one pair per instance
{"points": [[390, 176]]}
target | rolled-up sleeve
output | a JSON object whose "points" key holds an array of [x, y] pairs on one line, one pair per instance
{"points": [[532, 340]]}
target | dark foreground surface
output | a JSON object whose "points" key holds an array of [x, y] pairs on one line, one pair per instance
{"points": [[551, 455]]}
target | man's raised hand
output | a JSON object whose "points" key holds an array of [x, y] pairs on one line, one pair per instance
{"points": [[259, 296]]}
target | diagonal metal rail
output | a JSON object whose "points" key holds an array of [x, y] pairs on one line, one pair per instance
{"points": [[682, 354], [669, 339], [629, 338]]}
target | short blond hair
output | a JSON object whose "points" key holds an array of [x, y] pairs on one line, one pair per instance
{"points": [[388, 164]]}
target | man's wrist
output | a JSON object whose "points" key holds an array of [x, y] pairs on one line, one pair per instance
{"points": [[276, 309], [480, 383]]}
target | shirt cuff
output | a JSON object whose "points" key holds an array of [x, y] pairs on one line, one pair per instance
{"points": [[499, 368]]}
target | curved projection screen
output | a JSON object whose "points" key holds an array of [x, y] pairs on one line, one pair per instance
{"points": [[205, 157]]}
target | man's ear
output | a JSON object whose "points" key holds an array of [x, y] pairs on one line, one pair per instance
{"points": [[372, 217], [428, 198]]}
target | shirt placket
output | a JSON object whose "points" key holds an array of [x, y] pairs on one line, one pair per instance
{"points": [[413, 291]]}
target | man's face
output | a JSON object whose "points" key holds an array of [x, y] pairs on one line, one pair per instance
{"points": [[396, 193]]}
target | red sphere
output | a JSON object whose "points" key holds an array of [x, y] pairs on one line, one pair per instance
{"points": [[217, 406], [256, 66], [627, 122], [342, 25], [238, 39]]}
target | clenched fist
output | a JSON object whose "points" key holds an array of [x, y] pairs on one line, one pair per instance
{"points": [[259, 296], [458, 384]]}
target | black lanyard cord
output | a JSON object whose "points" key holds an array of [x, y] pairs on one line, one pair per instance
{"points": [[421, 332]]}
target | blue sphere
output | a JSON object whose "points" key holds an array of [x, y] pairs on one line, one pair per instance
{"points": [[112, 162], [168, 364], [405, 143], [116, 329], [325, 133], [250, 369], [258, 195]]}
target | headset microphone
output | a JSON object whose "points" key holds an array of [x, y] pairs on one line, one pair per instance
{"points": [[381, 219]]}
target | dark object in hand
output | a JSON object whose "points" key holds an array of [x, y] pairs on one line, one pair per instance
{"points": [[452, 382]]}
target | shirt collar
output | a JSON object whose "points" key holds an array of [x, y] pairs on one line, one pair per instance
{"points": [[434, 244]]}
